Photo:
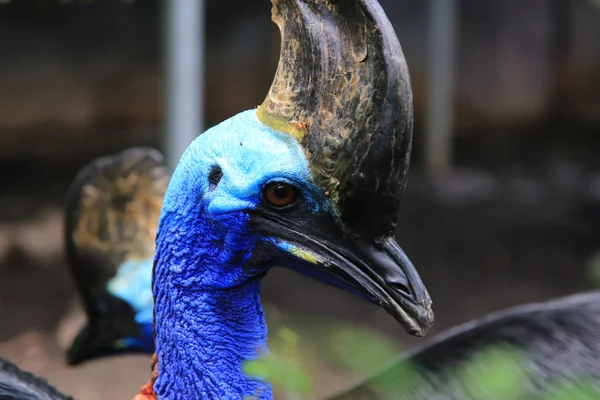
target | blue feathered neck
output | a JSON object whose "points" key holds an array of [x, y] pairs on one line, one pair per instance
{"points": [[205, 332], [208, 262]]}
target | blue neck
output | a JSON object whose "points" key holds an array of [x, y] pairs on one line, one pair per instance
{"points": [[209, 260], [133, 284], [208, 316], [201, 356]]}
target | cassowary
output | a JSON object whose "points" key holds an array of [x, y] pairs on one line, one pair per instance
{"points": [[311, 180], [111, 218]]}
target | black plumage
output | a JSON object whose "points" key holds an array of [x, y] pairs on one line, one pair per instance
{"points": [[558, 341], [16, 384]]}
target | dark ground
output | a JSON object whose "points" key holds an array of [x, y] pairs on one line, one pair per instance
{"points": [[482, 241]]}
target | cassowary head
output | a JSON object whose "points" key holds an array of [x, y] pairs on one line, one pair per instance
{"points": [[313, 178]]}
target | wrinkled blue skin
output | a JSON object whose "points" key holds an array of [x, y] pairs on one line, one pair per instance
{"points": [[209, 318], [133, 285]]}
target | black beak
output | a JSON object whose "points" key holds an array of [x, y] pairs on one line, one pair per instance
{"points": [[398, 286], [376, 269]]}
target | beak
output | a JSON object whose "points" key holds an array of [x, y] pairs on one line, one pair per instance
{"points": [[378, 270]]}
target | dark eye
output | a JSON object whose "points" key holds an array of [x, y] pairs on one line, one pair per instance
{"points": [[279, 194]]}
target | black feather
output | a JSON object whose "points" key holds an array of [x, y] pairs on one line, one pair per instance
{"points": [[559, 341], [16, 384]]}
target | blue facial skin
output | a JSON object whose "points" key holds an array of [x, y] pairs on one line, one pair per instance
{"points": [[133, 284], [209, 319]]}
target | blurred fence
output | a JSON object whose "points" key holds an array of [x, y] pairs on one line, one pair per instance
{"points": [[89, 76]]}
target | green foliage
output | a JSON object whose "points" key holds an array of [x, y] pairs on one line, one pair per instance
{"points": [[593, 264], [359, 350], [498, 373], [573, 389], [283, 368], [495, 374]]}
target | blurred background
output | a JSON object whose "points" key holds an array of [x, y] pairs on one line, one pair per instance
{"points": [[503, 201]]}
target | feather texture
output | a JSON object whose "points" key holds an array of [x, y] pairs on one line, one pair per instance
{"points": [[16, 384], [558, 340]]}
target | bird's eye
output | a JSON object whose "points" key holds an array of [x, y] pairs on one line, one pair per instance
{"points": [[280, 194]]}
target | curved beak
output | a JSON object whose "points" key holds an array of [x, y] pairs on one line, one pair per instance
{"points": [[375, 269]]}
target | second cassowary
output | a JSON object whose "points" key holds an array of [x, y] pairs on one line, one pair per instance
{"points": [[111, 218]]}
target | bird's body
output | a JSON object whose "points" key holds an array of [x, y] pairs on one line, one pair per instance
{"points": [[19, 385], [554, 342]]}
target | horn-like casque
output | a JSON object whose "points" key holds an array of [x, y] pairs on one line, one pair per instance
{"points": [[342, 89]]}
